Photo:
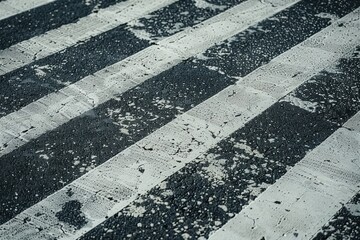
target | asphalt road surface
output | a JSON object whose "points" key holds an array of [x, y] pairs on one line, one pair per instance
{"points": [[180, 119]]}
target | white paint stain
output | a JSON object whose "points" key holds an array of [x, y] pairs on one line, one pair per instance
{"points": [[39, 70], [354, 209], [135, 211], [333, 18], [205, 4], [44, 156], [306, 105], [248, 150]]}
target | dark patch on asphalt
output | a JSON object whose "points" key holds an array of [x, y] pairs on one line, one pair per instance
{"points": [[41, 19], [345, 225], [26, 220], [206, 193], [47, 75], [71, 214], [335, 92], [69, 192]]}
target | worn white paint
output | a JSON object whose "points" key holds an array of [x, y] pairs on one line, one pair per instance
{"points": [[165, 151], [306, 197], [10, 8], [120, 178], [68, 35], [57, 108], [354, 123], [205, 4], [306, 105], [308, 57]]}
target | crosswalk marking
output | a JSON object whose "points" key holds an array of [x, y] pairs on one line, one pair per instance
{"points": [[39, 20], [198, 118], [180, 124], [89, 140], [57, 108], [307, 196], [68, 35], [10, 8], [314, 53]]}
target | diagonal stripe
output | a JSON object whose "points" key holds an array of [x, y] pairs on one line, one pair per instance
{"points": [[56, 109], [39, 20], [331, 107], [10, 8], [344, 224], [153, 154], [309, 194], [68, 35]]}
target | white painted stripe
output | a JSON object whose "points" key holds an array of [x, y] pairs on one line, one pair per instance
{"points": [[10, 8], [309, 194], [354, 123], [68, 35], [307, 57], [57, 108], [119, 177]]}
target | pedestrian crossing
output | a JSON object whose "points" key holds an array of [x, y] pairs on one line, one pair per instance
{"points": [[60, 39], [307, 196], [35, 21], [180, 120], [9, 8], [59, 107]]}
